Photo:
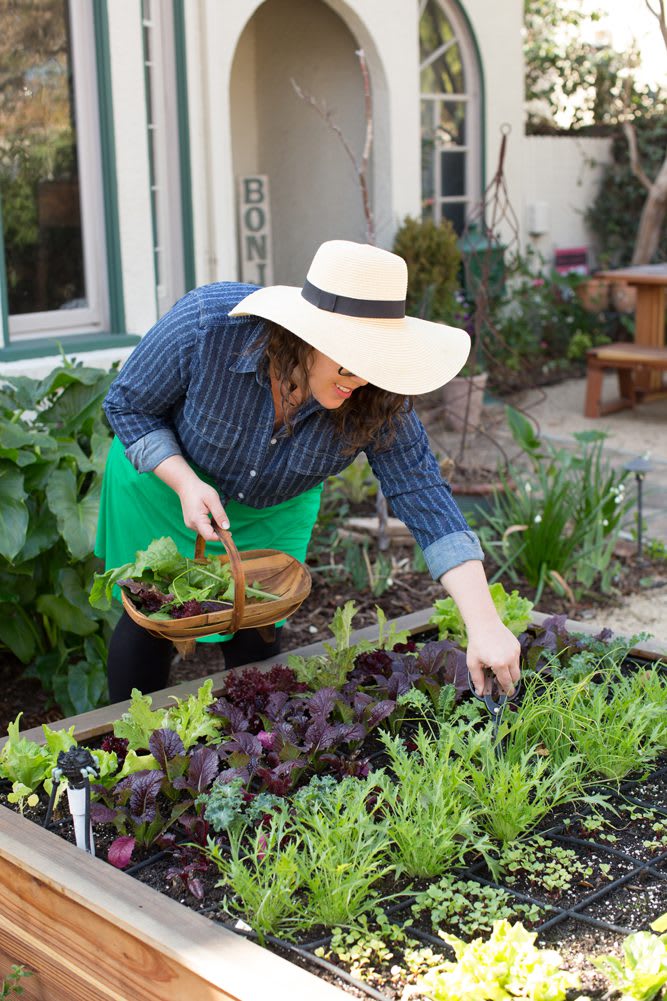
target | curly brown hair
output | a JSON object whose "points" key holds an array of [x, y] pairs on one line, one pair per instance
{"points": [[370, 416]]}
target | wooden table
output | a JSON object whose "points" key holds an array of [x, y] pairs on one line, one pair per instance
{"points": [[650, 280]]}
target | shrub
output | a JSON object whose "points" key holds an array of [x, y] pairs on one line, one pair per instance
{"points": [[433, 259], [54, 446]]}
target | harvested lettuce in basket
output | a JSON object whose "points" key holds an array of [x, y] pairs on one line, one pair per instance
{"points": [[165, 585]]}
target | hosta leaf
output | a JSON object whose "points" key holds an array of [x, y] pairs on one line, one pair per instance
{"points": [[68, 618], [41, 535], [17, 633], [77, 518], [13, 511], [76, 405]]}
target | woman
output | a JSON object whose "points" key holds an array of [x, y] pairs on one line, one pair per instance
{"points": [[241, 401]]}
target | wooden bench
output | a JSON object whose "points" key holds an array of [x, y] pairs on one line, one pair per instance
{"points": [[626, 359]]}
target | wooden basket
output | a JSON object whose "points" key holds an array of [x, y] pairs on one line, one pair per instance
{"points": [[271, 569]]}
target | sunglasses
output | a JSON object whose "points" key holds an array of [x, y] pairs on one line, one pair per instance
{"points": [[344, 372]]}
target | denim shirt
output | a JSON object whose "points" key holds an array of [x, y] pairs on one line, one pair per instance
{"points": [[198, 385]]}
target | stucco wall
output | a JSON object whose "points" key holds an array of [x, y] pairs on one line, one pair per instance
{"points": [[496, 28], [563, 173]]}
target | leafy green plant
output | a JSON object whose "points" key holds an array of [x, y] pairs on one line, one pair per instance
{"points": [[343, 848], [333, 667], [558, 526], [543, 863], [188, 717], [11, 983], [514, 612], [431, 823], [261, 870], [505, 965], [642, 974], [54, 446], [513, 791], [614, 726], [356, 483], [469, 906]]}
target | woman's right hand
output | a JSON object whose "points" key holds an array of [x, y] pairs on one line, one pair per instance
{"points": [[199, 502]]}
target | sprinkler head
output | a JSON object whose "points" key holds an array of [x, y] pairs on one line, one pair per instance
{"points": [[77, 765]]}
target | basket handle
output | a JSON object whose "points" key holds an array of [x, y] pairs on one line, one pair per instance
{"points": [[236, 567]]}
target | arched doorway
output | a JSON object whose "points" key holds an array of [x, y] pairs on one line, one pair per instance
{"points": [[451, 114], [314, 193]]}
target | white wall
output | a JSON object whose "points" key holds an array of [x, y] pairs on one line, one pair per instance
{"points": [[497, 30], [563, 173]]}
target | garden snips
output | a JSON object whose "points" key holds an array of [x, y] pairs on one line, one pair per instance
{"points": [[495, 706]]}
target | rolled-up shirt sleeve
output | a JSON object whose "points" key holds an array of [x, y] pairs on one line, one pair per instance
{"points": [[153, 379], [413, 484]]}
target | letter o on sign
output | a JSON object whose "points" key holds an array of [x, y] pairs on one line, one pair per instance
{"points": [[253, 218]]}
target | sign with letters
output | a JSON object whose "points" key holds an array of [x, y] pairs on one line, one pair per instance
{"points": [[255, 230]]}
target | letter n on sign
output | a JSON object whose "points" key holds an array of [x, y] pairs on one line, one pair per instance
{"points": [[255, 230]]}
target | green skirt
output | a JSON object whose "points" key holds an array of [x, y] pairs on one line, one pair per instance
{"points": [[136, 508]]}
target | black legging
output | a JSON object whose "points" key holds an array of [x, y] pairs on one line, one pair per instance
{"points": [[138, 660]]}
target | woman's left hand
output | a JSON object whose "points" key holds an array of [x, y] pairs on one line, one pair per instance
{"points": [[491, 645]]}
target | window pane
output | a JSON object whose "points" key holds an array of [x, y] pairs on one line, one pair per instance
{"points": [[455, 212], [453, 173], [445, 74], [452, 124], [39, 181]]}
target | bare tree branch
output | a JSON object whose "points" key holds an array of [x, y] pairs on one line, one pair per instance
{"points": [[660, 16], [633, 150], [360, 166]]}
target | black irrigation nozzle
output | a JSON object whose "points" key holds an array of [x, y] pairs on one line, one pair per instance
{"points": [[77, 765]]}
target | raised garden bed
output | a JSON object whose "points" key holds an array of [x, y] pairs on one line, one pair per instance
{"points": [[90, 931]]}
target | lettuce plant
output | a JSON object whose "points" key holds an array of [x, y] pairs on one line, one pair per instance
{"points": [[514, 612], [506, 965], [642, 973]]}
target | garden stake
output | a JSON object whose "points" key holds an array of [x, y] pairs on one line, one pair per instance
{"points": [[77, 766]]}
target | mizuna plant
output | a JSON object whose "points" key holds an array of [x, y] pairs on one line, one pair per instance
{"points": [[432, 825]]}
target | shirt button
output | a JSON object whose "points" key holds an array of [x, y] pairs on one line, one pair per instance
{"points": [[273, 441], [253, 472], [241, 496]]}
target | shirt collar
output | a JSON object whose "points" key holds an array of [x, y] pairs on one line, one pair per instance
{"points": [[251, 355], [251, 358]]}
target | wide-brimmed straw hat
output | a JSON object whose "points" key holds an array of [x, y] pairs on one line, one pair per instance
{"points": [[352, 309]]}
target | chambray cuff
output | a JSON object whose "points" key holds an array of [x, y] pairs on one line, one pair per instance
{"points": [[148, 452], [451, 550]]}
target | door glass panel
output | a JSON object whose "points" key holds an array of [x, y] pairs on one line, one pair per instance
{"points": [[444, 73], [39, 177], [456, 213], [453, 174], [428, 156]]}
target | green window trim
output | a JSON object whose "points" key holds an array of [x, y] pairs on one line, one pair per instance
{"points": [[184, 145], [70, 344]]}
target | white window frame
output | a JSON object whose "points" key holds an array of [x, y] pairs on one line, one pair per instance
{"points": [[94, 317], [473, 111], [162, 117]]}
